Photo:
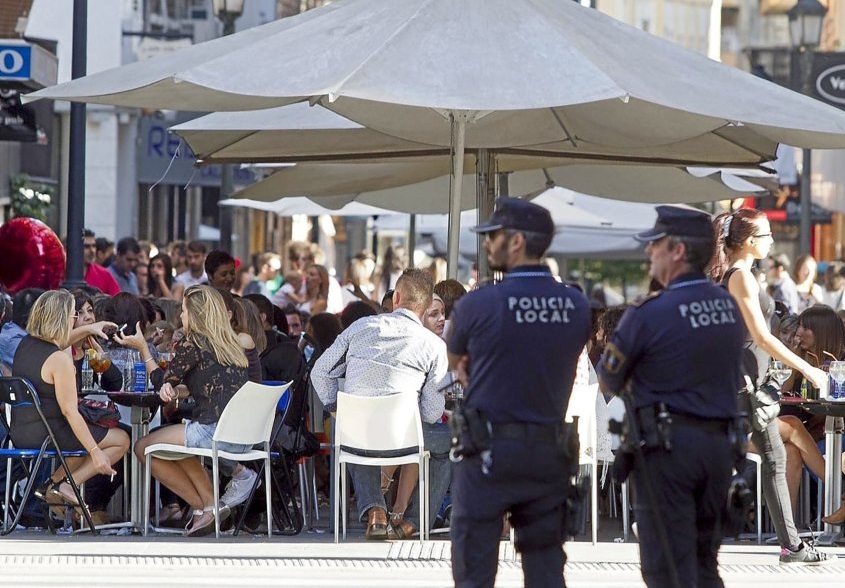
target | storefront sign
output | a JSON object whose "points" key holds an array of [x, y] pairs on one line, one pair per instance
{"points": [[26, 66], [828, 78]]}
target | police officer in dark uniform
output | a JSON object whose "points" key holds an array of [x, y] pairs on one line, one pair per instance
{"points": [[517, 343], [675, 354]]}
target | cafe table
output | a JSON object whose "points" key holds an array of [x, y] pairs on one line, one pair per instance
{"points": [[142, 405], [833, 411]]}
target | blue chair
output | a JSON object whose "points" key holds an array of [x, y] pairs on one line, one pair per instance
{"points": [[19, 392]]}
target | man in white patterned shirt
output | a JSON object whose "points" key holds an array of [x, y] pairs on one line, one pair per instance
{"points": [[388, 354]]}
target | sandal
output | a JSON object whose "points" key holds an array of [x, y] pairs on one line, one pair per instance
{"points": [[399, 528], [196, 514], [172, 515], [204, 525], [50, 493]]}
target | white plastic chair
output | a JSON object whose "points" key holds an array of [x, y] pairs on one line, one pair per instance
{"points": [[378, 431], [582, 403], [758, 462], [247, 420]]}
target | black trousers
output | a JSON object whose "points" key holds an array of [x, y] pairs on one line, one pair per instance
{"points": [[691, 484], [528, 479]]}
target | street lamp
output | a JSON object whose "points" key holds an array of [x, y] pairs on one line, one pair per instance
{"points": [[805, 33], [227, 12]]}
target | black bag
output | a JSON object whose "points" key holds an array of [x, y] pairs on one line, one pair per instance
{"points": [[762, 403], [102, 414]]}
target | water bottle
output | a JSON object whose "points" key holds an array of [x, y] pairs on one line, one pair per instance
{"points": [[140, 371], [87, 375], [128, 373]]}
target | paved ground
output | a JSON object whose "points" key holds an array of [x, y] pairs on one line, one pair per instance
{"points": [[312, 559]]}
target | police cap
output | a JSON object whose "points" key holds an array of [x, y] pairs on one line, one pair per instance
{"points": [[679, 222], [520, 215]]}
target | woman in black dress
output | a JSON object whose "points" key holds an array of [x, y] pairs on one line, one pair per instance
{"points": [[44, 359]]}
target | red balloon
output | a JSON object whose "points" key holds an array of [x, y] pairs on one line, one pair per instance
{"points": [[31, 256]]}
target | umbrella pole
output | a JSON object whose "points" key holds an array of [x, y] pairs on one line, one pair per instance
{"points": [[459, 121], [412, 239], [485, 198]]}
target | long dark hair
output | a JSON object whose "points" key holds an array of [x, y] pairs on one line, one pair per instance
{"points": [[152, 287], [730, 237], [828, 331]]}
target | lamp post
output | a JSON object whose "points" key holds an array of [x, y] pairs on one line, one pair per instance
{"points": [[805, 32], [227, 12], [74, 274]]}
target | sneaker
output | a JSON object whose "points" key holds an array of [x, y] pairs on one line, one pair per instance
{"points": [[807, 554], [238, 489]]}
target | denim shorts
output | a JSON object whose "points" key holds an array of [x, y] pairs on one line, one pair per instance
{"points": [[199, 435]]}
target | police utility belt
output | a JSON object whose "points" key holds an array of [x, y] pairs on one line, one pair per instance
{"points": [[473, 433], [649, 428]]}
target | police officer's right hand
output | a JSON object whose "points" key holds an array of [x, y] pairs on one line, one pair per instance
{"points": [[817, 377]]}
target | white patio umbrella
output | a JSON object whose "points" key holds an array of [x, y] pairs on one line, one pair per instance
{"points": [[587, 226], [386, 185], [301, 132], [291, 206], [510, 74]]}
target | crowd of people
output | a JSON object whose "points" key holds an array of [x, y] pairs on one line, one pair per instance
{"points": [[218, 324], [221, 323]]}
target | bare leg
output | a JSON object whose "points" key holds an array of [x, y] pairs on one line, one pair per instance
{"points": [[387, 473], [186, 477], [114, 445], [793, 433], [408, 477]]}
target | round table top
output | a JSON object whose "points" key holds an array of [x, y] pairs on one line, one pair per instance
{"points": [[822, 407], [148, 399]]}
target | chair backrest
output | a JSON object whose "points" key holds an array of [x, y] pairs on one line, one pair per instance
{"points": [[582, 403], [248, 418], [389, 423], [16, 391]]}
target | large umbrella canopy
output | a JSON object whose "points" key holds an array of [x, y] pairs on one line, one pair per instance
{"points": [[302, 132], [525, 72], [586, 226], [478, 73], [291, 206], [396, 186]]}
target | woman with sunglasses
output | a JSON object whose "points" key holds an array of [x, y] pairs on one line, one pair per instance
{"points": [[743, 237]]}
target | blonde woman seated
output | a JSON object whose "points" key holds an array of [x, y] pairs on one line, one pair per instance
{"points": [[211, 364], [44, 359]]}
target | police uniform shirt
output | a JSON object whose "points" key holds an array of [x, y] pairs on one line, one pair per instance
{"points": [[524, 336], [680, 346]]}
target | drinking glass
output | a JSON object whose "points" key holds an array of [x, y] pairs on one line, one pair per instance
{"points": [[837, 372], [100, 362], [164, 360], [780, 372]]}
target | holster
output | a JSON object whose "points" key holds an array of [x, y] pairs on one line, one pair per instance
{"points": [[738, 439], [471, 433]]}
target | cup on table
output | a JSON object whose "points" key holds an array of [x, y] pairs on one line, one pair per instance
{"points": [[164, 360], [837, 374]]}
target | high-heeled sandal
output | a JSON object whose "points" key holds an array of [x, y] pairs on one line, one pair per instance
{"points": [[49, 492], [399, 528]]}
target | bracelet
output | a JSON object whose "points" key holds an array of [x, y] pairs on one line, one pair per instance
{"points": [[148, 360], [88, 451]]}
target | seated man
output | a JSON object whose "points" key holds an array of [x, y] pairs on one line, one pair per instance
{"points": [[388, 354]]}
